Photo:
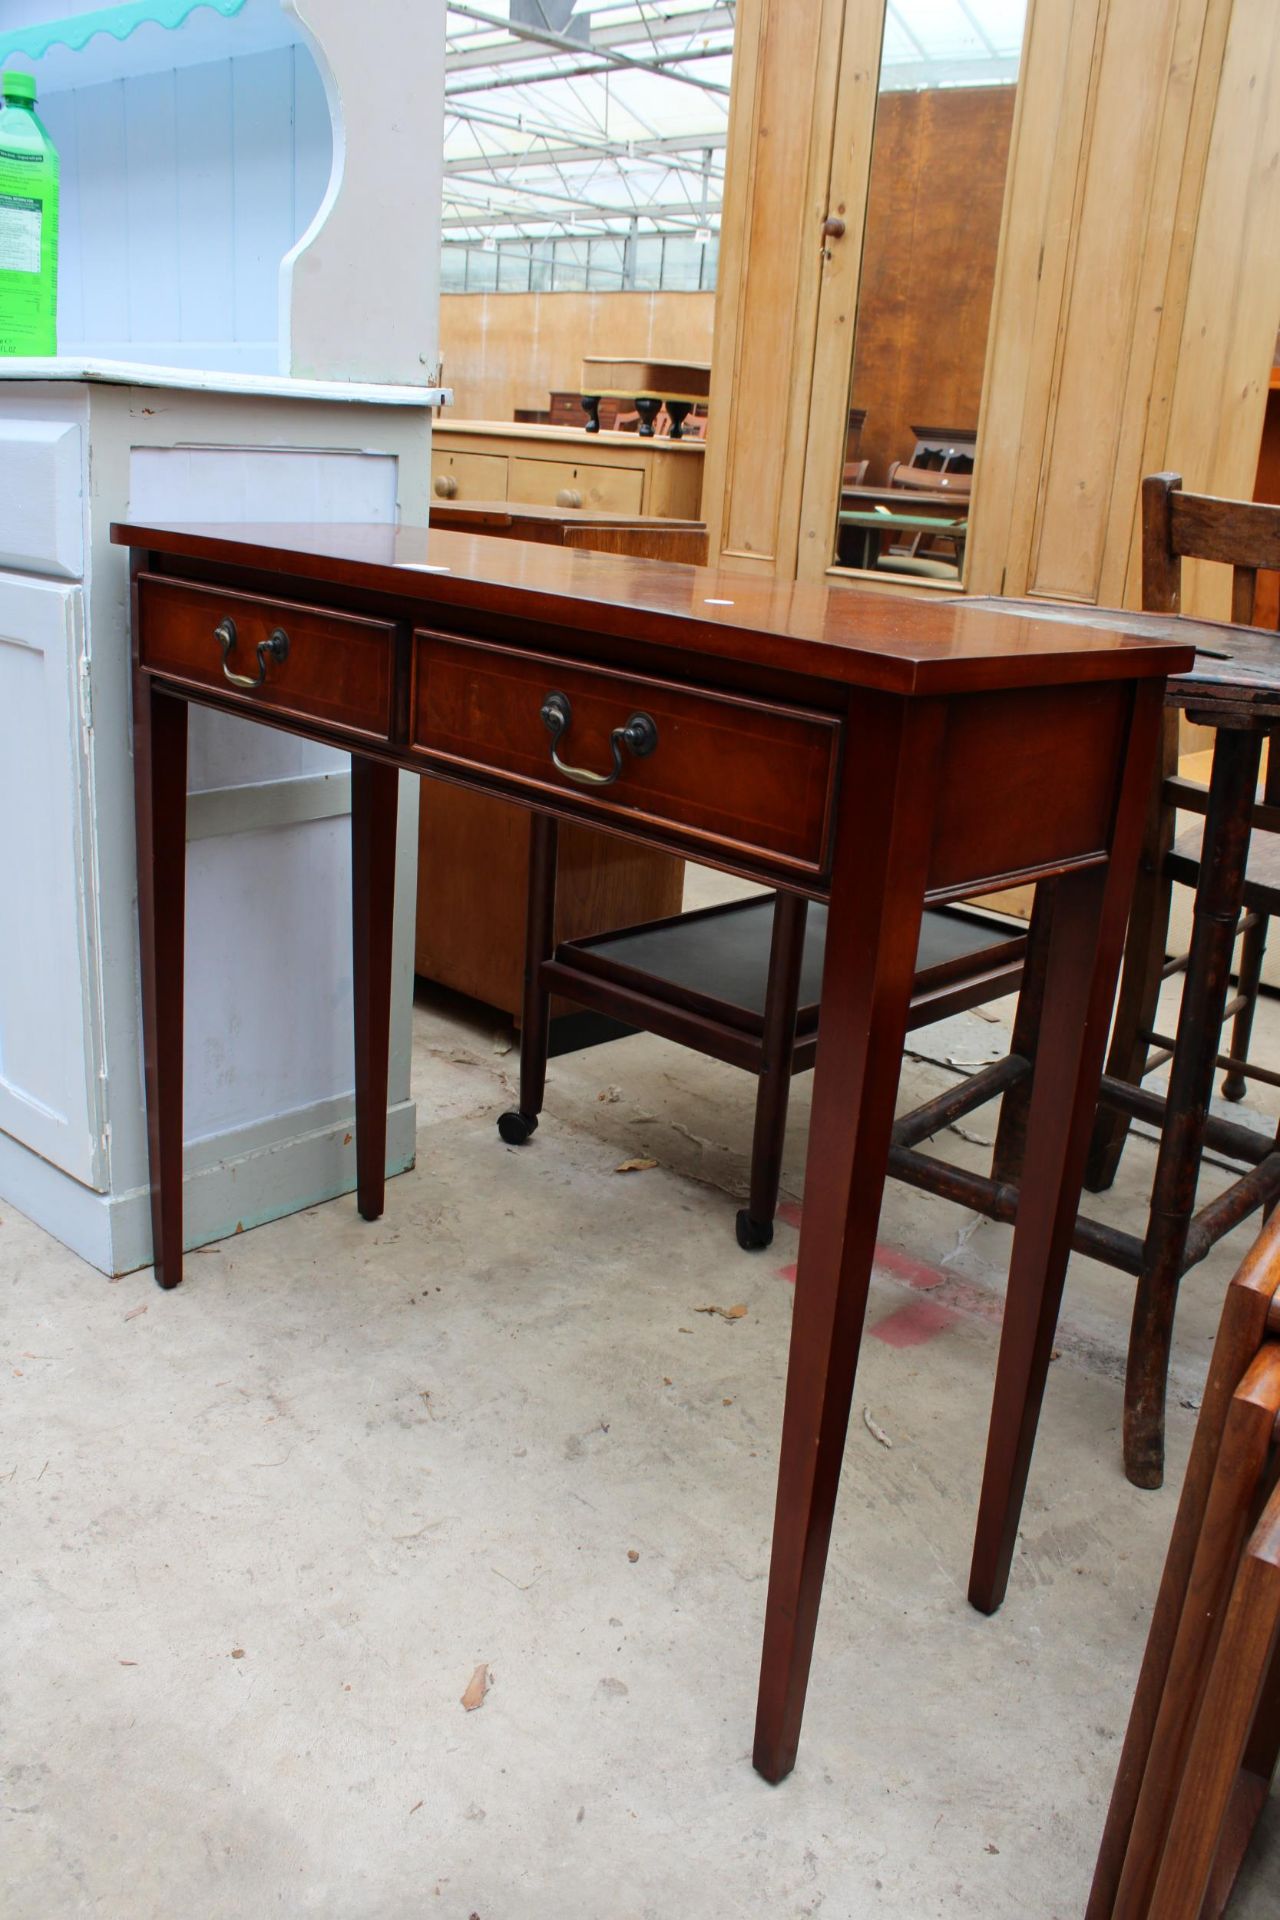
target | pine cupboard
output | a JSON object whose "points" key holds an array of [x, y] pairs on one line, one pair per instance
{"points": [[1136, 289]]}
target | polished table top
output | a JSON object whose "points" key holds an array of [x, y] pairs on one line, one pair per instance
{"points": [[833, 632]]}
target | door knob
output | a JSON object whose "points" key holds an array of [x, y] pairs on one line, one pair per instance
{"points": [[833, 227]]}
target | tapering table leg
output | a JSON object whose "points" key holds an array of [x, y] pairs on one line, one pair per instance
{"points": [[160, 816], [374, 797], [884, 834], [1086, 938]]}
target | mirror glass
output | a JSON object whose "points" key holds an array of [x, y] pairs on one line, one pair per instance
{"points": [[939, 157]]}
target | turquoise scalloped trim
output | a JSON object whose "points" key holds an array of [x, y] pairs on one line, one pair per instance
{"points": [[76, 33]]}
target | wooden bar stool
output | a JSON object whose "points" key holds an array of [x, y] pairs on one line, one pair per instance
{"points": [[1233, 864], [1234, 688], [1175, 1757], [739, 982]]}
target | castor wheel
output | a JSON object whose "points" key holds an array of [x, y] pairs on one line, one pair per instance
{"points": [[752, 1234], [515, 1128]]}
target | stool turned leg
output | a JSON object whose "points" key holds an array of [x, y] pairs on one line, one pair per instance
{"points": [[1215, 916], [1252, 953], [773, 1090], [374, 797], [160, 815], [535, 1018]]}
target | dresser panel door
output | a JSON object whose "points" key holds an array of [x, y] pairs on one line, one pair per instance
{"points": [[50, 1051]]}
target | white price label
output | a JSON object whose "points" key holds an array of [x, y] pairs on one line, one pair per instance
{"points": [[19, 234]]}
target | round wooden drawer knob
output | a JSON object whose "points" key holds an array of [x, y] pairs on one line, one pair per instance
{"points": [[446, 486], [568, 497]]}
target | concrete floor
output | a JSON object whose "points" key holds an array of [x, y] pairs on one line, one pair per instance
{"points": [[258, 1535]]}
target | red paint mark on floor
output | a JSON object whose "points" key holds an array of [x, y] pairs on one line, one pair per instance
{"points": [[902, 1266], [912, 1325], [963, 1299], [789, 1213]]}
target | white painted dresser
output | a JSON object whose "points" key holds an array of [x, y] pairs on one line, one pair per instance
{"points": [[196, 424]]}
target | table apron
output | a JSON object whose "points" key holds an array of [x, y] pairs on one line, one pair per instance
{"points": [[1056, 837]]}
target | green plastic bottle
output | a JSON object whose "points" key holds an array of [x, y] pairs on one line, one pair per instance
{"points": [[28, 223]]}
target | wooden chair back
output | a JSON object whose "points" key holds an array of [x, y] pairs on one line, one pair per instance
{"points": [[1176, 526], [1241, 534]]}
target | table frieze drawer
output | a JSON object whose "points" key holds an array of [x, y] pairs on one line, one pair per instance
{"points": [[731, 772], [333, 668]]}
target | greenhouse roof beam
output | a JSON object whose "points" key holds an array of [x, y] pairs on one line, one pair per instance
{"points": [[463, 214], [604, 56], [645, 32], [500, 77], [492, 167], [655, 149]]}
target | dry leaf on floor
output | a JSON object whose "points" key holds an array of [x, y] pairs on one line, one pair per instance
{"points": [[635, 1166], [726, 1313], [134, 1312], [876, 1431], [609, 1094], [632, 1555], [477, 1687]]}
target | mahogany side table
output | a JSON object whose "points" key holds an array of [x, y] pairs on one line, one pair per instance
{"points": [[871, 752]]}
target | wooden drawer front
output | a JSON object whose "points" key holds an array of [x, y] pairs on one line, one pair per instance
{"points": [[576, 483], [337, 668], [731, 772], [469, 476]]}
